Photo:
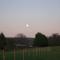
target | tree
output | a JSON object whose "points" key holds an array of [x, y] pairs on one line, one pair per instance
{"points": [[20, 35], [11, 44], [2, 41], [40, 40], [54, 40]]}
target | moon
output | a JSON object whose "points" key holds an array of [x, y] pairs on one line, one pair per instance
{"points": [[27, 25]]}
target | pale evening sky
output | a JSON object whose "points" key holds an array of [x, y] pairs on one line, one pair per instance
{"points": [[42, 16]]}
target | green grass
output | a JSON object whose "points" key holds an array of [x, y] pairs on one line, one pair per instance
{"points": [[43, 53]]}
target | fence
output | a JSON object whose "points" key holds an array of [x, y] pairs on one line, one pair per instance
{"points": [[28, 54]]}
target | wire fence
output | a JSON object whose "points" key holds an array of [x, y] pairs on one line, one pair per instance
{"points": [[29, 54], [23, 54]]}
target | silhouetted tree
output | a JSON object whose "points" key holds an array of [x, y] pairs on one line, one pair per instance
{"points": [[2, 41], [11, 44], [20, 35], [40, 40], [54, 40]]}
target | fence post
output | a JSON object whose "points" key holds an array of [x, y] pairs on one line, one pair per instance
{"points": [[28, 50], [3, 54], [36, 50], [23, 54], [14, 53]]}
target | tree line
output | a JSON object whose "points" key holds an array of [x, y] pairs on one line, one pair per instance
{"points": [[40, 40]]}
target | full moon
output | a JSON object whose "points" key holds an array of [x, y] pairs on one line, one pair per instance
{"points": [[27, 25]]}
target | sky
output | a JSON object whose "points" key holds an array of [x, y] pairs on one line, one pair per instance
{"points": [[41, 15]]}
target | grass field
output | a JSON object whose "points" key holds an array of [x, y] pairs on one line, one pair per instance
{"points": [[43, 53]]}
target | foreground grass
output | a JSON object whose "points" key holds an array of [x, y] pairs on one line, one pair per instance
{"points": [[43, 53]]}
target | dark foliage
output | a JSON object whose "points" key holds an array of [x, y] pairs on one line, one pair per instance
{"points": [[54, 40], [40, 40], [2, 41]]}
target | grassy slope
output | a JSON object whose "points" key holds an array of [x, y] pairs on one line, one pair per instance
{"points": [[47, 53]]}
